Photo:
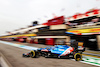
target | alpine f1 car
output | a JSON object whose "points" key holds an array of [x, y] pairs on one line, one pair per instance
{"points": [[58, 51]]}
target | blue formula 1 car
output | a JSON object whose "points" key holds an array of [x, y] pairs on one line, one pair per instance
{"points": [[58, 51]]}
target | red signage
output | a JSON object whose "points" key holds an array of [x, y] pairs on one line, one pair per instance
{"points": [[56, 21]]}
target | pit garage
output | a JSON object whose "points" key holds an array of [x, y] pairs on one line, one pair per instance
{"points": [[89, 41]]}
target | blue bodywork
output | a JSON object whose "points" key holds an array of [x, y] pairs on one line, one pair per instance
{"points": [[57, 49]]}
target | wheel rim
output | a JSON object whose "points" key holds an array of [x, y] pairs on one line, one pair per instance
{"points": [[78, 57]]}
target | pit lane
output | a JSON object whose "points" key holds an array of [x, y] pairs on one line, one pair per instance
{"points": [[14, 56]]}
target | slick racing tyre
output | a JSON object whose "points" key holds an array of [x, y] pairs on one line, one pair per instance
{"points": [[34, 54], [78, 56]]}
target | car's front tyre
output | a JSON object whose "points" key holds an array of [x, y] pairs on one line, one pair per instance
{"points": [[34, 54]]}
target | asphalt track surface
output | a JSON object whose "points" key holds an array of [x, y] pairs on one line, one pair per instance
{"points": [[14, 56]]}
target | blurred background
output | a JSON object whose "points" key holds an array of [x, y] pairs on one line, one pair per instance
{"points": [[19, 14], [33, 24]]}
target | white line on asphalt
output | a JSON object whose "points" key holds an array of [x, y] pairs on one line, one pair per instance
{"points": [[20, 46], [90, 63]]}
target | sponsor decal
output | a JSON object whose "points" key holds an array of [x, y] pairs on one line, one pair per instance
{"points": [[61, 49], [85, 30], [76, 31], [44, 50], [67, 51], [95, 30], [80, 48]]}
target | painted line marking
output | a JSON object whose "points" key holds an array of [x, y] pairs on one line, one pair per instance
{"points": [[20, 46]]}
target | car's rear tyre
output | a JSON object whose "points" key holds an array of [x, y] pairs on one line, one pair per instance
{"points": [[78, 57]]}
